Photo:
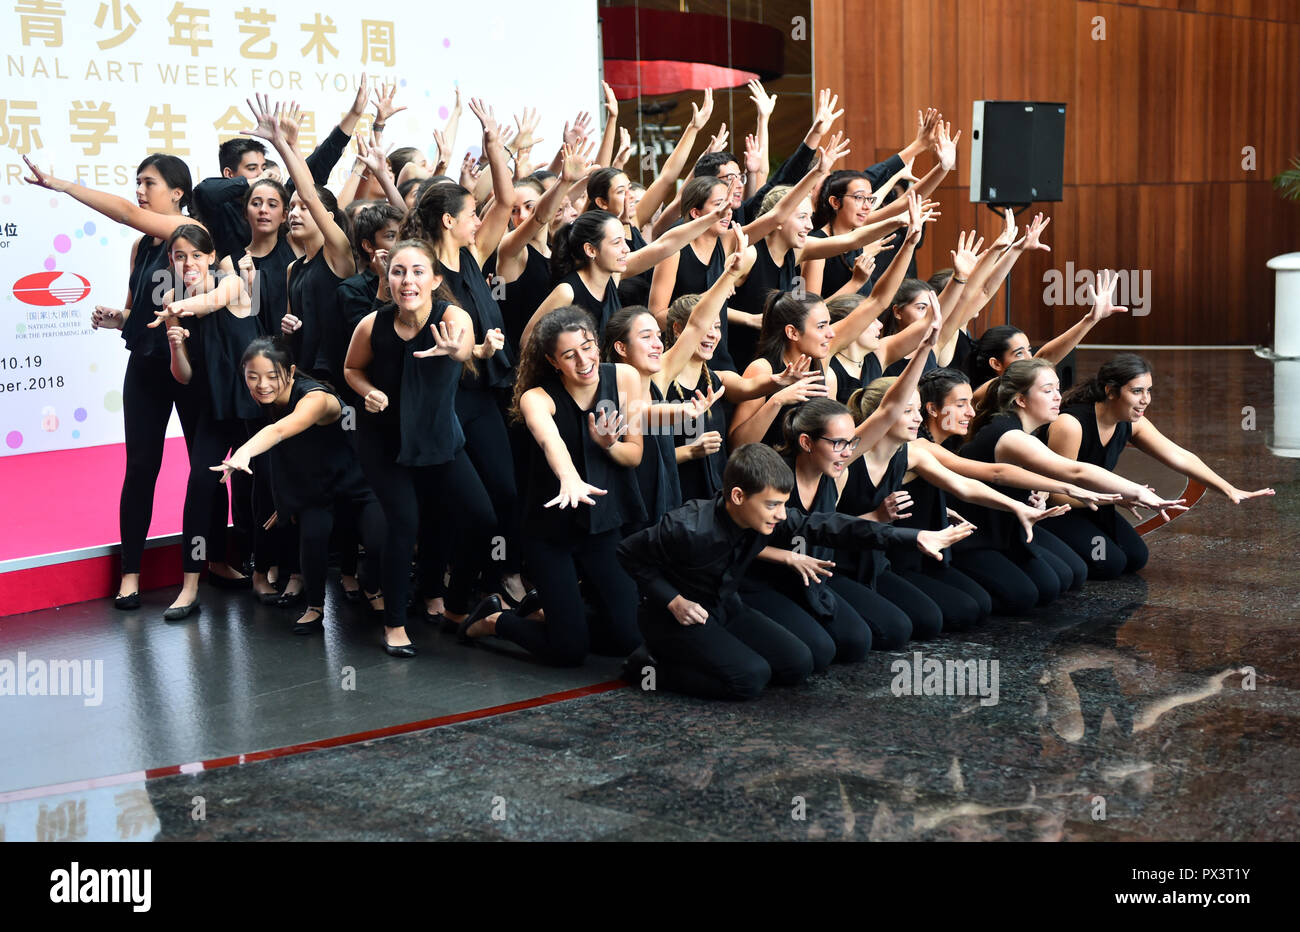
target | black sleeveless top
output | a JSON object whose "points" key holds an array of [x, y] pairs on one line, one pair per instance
{"points": [[816, 597], [221, 340], [620, 505], [995, 530], [861, 495], [764, 276], [150, 279], [523, 296], [846, 384], [317, 466], [1092, 450], [656, 474], [419, 427], [838, 270], [475, 298], [696, 277], [635, 242], [700, 478], [270, 293], [601, 309], [898, 365], [356, 297], [313, 296]]}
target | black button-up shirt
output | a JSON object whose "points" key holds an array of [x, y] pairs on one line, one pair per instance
{"points": [[699, 552]]}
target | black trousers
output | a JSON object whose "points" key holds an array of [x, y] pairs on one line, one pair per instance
{"points": [[963, 602], [891, 628], [1016, 580], [731, 656], [488, 447], [1106, 555], [843, 637], [148, 394], [436, 506], [315, 523], [567, 634], [206, 534], [1069, 566]]}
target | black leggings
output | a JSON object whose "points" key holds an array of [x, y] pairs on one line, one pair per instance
{"points": [[1106, 555], [843, 638], [566, 636], [963, 602], [204, 522], [1016, 580], [148, 394], [731, 656], [488, 448], [1069, 566], [314, 526], [431, 505]]}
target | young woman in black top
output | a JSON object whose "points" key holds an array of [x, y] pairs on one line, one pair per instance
{"points": [[314, 467], [864, 360], [405, 362], [522, 260], [1026, 397], [205, 354], [795, 325], [585, 450], [446, 216], [318, 227], [1098, 418], [590, 256], [266, 208], [149, 392]]}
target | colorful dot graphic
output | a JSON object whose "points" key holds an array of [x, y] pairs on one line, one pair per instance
{"points": [[443, 112], [79, 414], [89, 228], [113, 401], [14, 439], [446, 43], [49, 263]]}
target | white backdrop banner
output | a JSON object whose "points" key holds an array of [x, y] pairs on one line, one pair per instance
{"points": [[90, 88]]}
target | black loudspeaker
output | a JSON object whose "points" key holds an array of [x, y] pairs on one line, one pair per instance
{"points": [[1017, 151]]}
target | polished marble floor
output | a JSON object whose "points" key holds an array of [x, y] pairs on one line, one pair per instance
{"points": [[1160, 707]]}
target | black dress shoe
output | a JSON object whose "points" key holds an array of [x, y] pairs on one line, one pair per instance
{"points": [[225, 582], [181, 611], [399, 650], [634, 666], [315, 626], [127, 602], [489, 606], [435, 618], [268, 598]]}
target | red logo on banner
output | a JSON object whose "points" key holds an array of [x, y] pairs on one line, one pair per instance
{"points": [[51, 289]]}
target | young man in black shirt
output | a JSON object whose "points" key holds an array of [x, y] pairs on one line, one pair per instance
{"points": [[705, 641]]}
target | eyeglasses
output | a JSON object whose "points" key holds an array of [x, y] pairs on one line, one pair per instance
{"points": [[839, 444], [860, 199], [742, 177]]}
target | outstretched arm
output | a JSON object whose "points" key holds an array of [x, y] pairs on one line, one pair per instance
{"points": [[673, 165], [503, 184], [110, 205]]}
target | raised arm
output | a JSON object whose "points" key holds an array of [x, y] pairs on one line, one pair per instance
{"points": [[703, 315], [786, 206], [851, 327], [673, 165], [337, 248], [605, 155], [873, 429], [764, 103], [375, 158], [573, 169], [1056, 350], [671, 241], [111, 206], [503, 184]]}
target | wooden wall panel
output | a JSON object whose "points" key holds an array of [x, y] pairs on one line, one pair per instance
{"points": [[1159, 114]]}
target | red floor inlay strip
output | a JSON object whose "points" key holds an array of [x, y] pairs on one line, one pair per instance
{"points": [[1191, 495], [253, 757]]}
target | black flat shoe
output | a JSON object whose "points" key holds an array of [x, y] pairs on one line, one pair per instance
{"points": [[353, 595], [290, 599], [399, 650], [435, 618], [531, 602], [489, 606], [315, 626], [268, 598], [224, 582], [634, 666], [127, 602], [375, 612], [181, 611]]}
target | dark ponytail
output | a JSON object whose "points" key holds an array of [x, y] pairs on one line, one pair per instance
{"points": [[810, 418], [782, 308], [567, 253], [934, 388], [175, 174], [1114, 374], [991, 345]]}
